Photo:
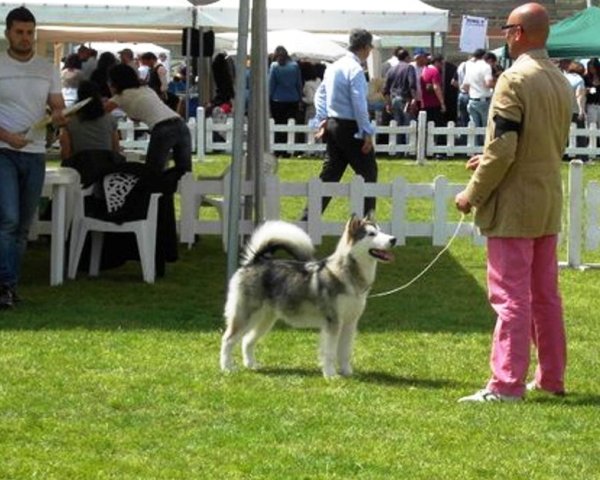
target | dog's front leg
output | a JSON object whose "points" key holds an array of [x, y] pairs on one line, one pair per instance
{"points": [[330, 335], [344, 348]]}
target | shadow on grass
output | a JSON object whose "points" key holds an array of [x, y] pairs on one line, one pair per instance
{"points": [[191, 295], [374, 377], [572, 399], [289, 372], [448, 298], [384, 378]]}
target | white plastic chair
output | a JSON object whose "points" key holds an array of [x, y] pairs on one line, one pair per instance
{"points": [[145, 232], [192, 200]]}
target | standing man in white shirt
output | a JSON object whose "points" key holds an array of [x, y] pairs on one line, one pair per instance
{"points": [[343, 117], [478, 81], [462, 118], [578, 102], [27, 85]]}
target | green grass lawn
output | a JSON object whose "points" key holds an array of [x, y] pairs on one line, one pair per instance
{"points": [[110, 378]]}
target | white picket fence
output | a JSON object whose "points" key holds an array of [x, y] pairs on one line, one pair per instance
{"points": [[439, 228], [418, 139], [128, 128]]}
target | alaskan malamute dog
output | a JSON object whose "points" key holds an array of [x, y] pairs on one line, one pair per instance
{"points": [[328, 294]]}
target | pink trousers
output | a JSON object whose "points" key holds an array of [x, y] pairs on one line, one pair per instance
{"points": [[523, 291]]}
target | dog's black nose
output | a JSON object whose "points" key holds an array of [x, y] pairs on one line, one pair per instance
{"points": [[393, 241]]}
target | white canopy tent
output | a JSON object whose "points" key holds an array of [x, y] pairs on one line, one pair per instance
{"points": [[79, 21], [310, 15], [298, 43], [72, 34], [331, 16], [156, 14], [335, 15], [137, 48]]}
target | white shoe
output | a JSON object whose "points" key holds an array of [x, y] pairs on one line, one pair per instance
{"points": [[534, 387], [486, 395]]}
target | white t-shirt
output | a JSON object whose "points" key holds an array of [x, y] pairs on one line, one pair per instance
{"points": [[476, 74], [460, 75], [577, 87], [24, 90], [143, 72], [143, 104]]}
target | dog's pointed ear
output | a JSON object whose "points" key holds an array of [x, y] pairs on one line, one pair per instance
{"points": [[370, 216], [353, 224]]}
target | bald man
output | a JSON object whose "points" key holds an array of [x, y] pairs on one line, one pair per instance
{"points": [[516, 191]]}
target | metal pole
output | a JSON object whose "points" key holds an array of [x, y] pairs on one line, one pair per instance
{"points": [[188, 63], [256, 117], [238, 139], [200, 67]]}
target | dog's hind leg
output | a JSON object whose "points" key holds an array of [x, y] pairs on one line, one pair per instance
{"points": [[330, 335], [344, 348], [260, 327], [235, 330]]}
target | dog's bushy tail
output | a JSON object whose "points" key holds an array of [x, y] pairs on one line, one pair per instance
{"points": [[278, 235]]}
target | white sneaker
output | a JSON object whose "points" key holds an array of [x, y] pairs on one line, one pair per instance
{"points": [[486, 395], [534, 387]]}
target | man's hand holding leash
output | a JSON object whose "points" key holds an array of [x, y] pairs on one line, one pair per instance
{"points": [[461, 201]]}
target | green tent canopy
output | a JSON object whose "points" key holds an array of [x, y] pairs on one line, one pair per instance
{"points": [[577, 36]]}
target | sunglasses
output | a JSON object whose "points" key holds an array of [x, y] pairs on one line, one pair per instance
{"points": [[511, 25]]}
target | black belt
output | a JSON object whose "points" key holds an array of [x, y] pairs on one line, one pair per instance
{"points": [[167, 121], [483, 99], [346, 121]]}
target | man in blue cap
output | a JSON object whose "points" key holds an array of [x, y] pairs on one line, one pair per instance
{"points": [[420, 61]]}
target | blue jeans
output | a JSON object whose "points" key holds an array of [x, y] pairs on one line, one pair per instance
{"points": [[462, 119], [402, 118], [170, 135], [21, 183], [478, 113]]}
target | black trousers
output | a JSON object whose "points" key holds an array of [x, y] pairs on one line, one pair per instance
{"points": [[580, 123], [343, 150], [435, 115], [281, 112]]}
